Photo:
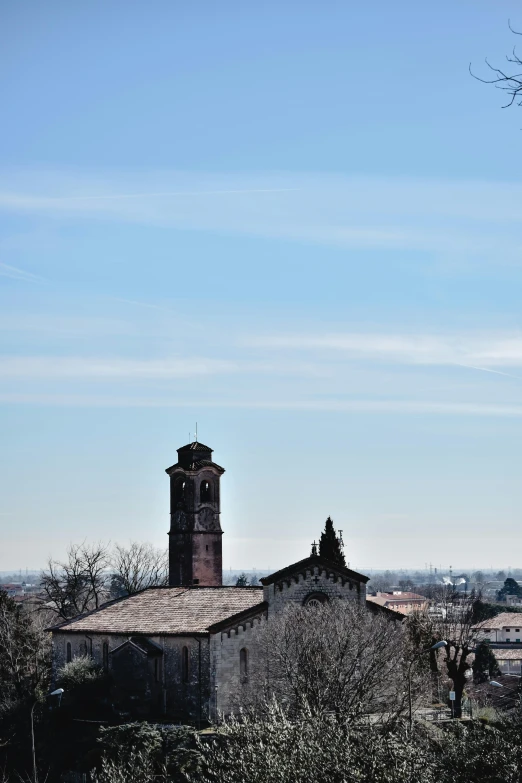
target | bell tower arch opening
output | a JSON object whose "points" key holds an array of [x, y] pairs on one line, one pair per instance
{"points": [[195, 549]]}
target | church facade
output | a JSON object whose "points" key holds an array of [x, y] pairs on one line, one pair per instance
{"points": [[184, 652]]}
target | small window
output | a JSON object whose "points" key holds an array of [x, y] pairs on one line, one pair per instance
{"points": [[243, 664], [69, 652], [508, 640], [180, 489], [105, 650], [185, 664], [204, 492], [507, 630], [195, 581]]}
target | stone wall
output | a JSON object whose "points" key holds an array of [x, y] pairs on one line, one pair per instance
{"points": [[230, 685], [314, 581], [179, 700]]}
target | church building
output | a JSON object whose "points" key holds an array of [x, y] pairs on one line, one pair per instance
{"points": [[184, 652]]}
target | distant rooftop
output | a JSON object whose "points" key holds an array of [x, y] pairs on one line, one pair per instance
{"points": [[503, 620]]}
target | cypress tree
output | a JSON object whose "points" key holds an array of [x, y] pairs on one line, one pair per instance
{"points": [[485, 664], [329, 546]]}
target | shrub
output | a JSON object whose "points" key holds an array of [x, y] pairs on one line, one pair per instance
{"points": [[79, 672]]}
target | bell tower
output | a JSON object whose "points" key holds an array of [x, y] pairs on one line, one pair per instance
{"points": [[195, 532]]}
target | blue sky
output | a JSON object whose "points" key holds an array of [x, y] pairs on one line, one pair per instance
{"points": [[297, 224]]}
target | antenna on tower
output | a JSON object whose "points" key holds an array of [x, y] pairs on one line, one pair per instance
{"points": [[196, 432]]}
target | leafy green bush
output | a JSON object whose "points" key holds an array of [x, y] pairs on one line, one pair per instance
{"points": [[79, 672]]}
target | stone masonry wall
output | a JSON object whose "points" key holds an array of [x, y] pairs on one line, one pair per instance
{"points": [[315, 580], [188, 701], [229, 688]]}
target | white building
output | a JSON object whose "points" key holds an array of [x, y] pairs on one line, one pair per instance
{"points": [[505, 627]]}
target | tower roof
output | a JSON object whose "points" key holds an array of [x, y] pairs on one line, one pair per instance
{"points": [[195, 456], [195, 446]]}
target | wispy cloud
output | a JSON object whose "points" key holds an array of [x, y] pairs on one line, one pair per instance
{"points": [[495, 372], [47, 368], [468, 219], [382, 406], [104, 369], [471, 350], [6, 270], [167, 194]]}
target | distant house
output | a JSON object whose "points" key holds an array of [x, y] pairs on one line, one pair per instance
{"points": [[505, 627], [399, 601], [13, 588], [509, 661]]}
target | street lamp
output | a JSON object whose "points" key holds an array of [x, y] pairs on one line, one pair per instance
{"points": [[58, 692], [518, 690], [436, 646]]}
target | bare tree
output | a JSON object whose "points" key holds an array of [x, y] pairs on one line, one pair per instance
{"points": [[24, 653], [454, 622], [511, 83], [137, 567], [78, 584], [334, 658]]}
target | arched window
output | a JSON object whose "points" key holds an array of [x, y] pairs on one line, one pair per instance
{"points": [[204, 492], [185, 664], [315, 600], [105, 650], [69, 652], [243, 664], [180, 487]]}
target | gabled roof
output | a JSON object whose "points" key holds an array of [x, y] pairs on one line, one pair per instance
{"points": [[400, 596], [385, 611], [164, 611], [237, 619], [140, 643], [311, 562], [503, 620]]}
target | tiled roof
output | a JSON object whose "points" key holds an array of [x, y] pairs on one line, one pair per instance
{"points": [[386, 611], [196, 465], [166, 610], [195, 446], [508, 655], [400, 597], [314, 561], [503, 620], [379, 601]]}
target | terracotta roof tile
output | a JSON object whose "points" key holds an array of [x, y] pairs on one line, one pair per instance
{"points": [[507, 655], [166, 610], [503, 620]]}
